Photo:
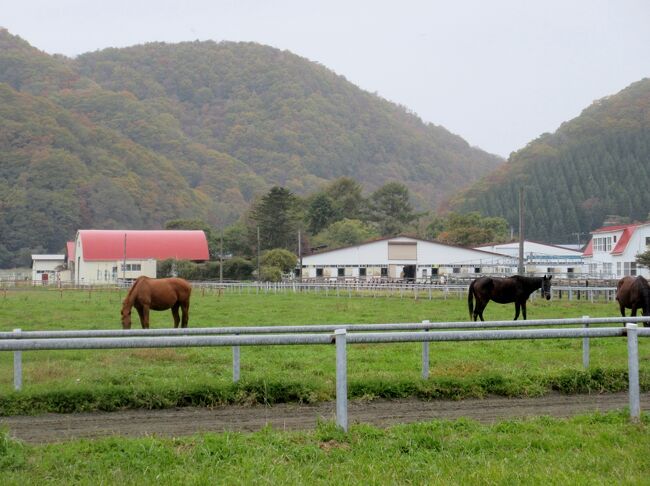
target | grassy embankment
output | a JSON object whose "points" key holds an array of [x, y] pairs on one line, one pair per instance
{"points": [[67, 381]]}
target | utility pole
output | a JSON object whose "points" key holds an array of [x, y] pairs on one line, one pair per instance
{"points": [[221, 259], [259, 276], [300, 254], [124, 262], [520, 267]]}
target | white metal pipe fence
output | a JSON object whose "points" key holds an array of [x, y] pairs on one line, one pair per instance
{"points": [[19, 341]]}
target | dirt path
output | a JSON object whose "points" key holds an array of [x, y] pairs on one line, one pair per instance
{"points": [[186, 421]]}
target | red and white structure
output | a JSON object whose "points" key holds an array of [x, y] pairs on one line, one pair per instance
{"points": [[612, 251], [106, 256]]}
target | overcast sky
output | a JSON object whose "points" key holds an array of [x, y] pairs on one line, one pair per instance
{"points": [[497, 72]]}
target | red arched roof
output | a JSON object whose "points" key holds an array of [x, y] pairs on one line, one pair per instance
{"points": [[143, 244]]}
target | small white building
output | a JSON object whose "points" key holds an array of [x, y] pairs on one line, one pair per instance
{"points": [[47, 269], [542, 258], [612, 251], [107, 256], [402, 258]]}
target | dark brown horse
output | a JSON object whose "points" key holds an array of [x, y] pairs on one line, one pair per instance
{"points": [[157, 294], [515, 289], [633, 293]]}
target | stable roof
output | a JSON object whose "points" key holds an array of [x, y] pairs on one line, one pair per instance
{"points": [[143, 244]]}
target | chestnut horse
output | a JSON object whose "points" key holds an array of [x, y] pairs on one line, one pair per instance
{"points": [[515, 289], [157, 294], [633, 293]]}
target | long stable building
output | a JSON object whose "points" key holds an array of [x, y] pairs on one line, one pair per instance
{"points": [[402, 257], [105, 256]]}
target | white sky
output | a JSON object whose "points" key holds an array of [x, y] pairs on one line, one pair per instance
{"points": [[497, 72]]}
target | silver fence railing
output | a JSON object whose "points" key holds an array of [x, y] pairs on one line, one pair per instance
{"points": [[343, 334]]}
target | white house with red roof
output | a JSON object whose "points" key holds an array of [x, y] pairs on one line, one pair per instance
{"points": [[612, 251], [106, 256]]}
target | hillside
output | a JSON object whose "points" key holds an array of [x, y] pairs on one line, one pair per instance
{"points": [[135, 137], [595, 165]]}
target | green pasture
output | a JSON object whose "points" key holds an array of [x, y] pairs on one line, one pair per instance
{"points": [[156, 378], [586, 450]]}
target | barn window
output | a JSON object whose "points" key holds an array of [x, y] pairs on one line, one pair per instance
{"points": [[402, 250], [477, 270], [434, 271], [319, 272], [362, 272], [384, 272], [341, 272]]}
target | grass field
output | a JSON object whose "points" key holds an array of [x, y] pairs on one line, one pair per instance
{"points": [[156, 378], [595, 449]]}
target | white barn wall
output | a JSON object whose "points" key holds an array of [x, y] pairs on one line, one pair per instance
{"points": [[101, 271], [374, 255]]}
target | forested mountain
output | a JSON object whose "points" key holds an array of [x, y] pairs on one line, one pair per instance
{"points": [[595, 165], [135, 137]]}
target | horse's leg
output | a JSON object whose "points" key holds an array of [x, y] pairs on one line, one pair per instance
{"points": [[622, 310], [478, 311], [523, 309], [145, 312], [177, 319], [517, 310], [142, 317], [186, 314]]}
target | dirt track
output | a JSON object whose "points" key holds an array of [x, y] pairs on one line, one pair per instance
{"points": [[186, 421]]}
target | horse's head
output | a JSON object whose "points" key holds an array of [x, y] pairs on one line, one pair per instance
{"points": [[546, 286], [126, 316]]}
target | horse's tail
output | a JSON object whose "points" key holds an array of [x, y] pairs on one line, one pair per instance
{"points": [[470, 300]]}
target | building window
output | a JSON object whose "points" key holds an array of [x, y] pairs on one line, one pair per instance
{"points": [[362, 272], [434, 271], [477, 270], [603, 244], [319, 272], [424, 273], [384, 272], [647, 241], [341, 272], [456, 270], [132, 267], [569, 270], [629, 268]]}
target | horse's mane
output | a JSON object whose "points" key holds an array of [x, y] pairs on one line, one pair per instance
{"points": [[129, 296]]}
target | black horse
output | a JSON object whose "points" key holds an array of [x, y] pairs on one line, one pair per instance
{"points": [[515, 289]]}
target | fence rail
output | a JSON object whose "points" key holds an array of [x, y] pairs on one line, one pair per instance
{"points": [[19, 341], [339, 289]]}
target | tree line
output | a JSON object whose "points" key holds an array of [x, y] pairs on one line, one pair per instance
{"points": [[279, 226]]}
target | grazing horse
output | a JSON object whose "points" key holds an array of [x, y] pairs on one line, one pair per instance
{"points": [[157, 294], [633, 293], [515, 289]]}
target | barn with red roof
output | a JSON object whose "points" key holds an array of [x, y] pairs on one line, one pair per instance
{"points": [[106, 256], [612, 251]]}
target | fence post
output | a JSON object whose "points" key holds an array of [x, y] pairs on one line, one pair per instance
{"points": [[340, 336], [235, 363], [585, 345], [18, 365], [633, 370], [425, 356]]}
